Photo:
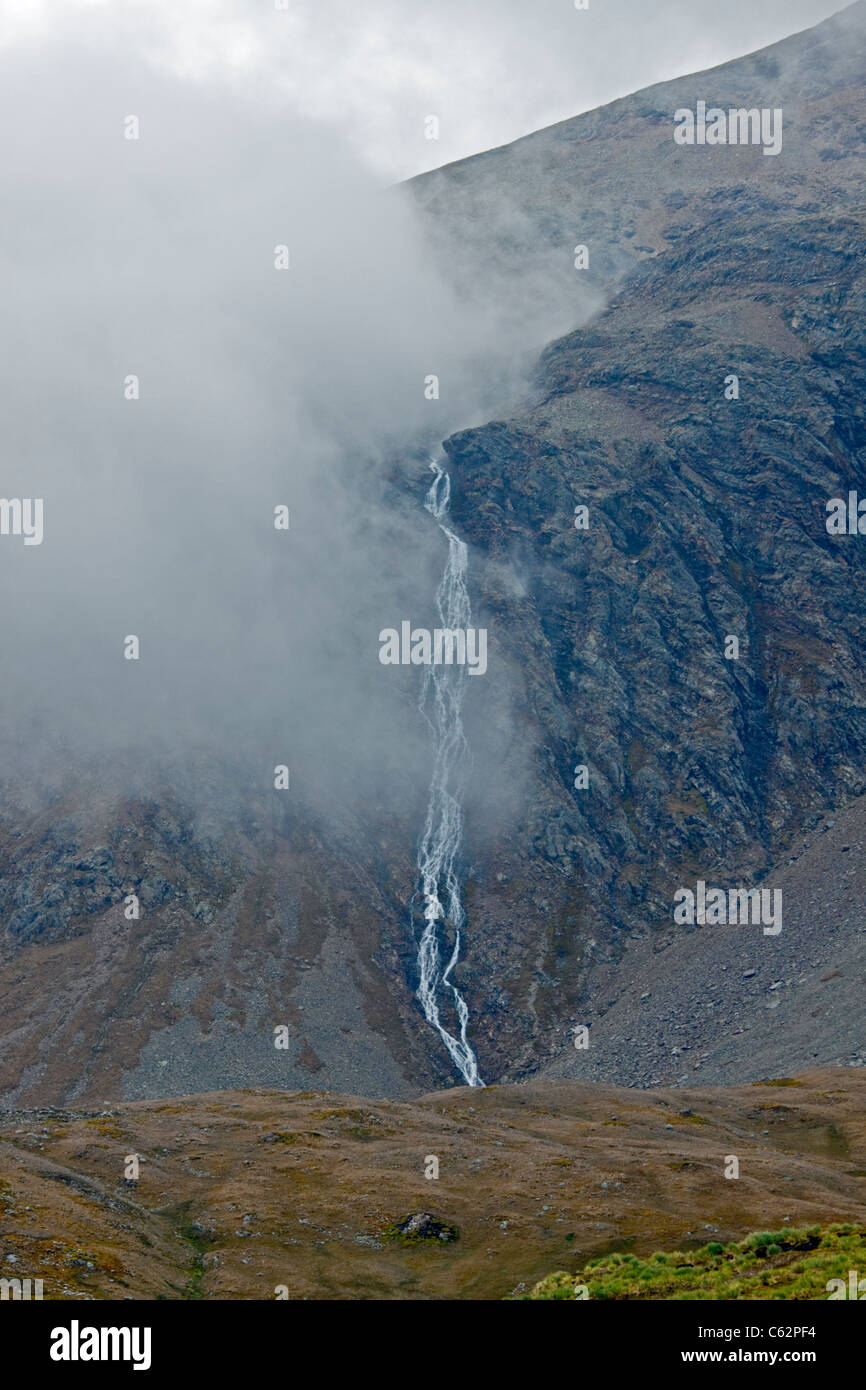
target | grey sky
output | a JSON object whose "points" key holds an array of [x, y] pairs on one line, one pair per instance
{"points": [[490, 70]]}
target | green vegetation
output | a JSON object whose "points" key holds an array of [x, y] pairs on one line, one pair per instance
{"points": [[781, 1081], [193, 1284], [786, 1264], [194, 1237]]}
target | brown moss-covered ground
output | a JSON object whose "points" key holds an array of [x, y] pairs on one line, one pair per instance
{"points": [[243, 1193]]}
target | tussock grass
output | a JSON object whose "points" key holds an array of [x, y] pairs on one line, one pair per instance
{"points": [[785, 1264]]}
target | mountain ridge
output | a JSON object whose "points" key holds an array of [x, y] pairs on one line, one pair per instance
{"points": [[606, 649]]}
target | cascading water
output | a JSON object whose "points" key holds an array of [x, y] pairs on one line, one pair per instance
{"points": [[441, 702]]}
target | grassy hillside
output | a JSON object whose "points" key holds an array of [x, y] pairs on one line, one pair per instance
{"points": [[786, 1264]]}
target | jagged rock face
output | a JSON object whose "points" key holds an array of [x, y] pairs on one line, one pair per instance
{"points": [[706, 519]]}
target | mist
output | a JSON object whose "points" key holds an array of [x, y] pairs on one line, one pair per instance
{"points": [[257, 388]]}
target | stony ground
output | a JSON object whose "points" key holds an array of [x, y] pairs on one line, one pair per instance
{"points": [[725, 1003]]}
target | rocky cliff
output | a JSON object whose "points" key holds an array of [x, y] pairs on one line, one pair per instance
{"points": [[704, 521], [610, 650]]}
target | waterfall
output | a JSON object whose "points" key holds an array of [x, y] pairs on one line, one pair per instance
{"points": [[440, 702]]}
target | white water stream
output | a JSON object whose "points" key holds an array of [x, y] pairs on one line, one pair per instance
{"points": [[441, 702]]}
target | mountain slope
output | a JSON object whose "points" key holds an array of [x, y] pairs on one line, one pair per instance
{"points": [[706, 519]]}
